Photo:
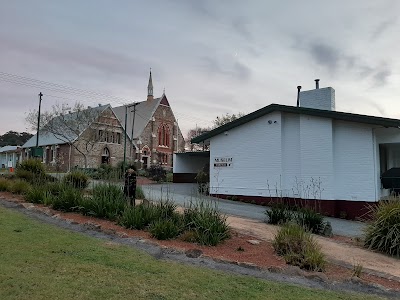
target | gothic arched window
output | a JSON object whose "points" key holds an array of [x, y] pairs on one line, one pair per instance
{"points": [[163, 136]]}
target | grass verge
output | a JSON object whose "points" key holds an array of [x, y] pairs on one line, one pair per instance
{"points": [[39, 261]]}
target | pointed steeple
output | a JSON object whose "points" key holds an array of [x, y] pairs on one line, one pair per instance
{"points": [[150, 88]]}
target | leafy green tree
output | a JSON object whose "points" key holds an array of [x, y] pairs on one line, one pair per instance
{"points": [[224, 119], [13, 138]]}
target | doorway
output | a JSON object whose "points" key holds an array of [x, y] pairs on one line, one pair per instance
{"points": [[105, 156]]}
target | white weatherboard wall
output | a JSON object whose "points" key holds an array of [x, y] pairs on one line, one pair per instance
{"points": [[291, 165], [255, 149], [354, 162], [316, 156]]}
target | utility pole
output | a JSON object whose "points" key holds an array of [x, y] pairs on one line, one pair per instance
{"points": [[35, 151], [133, 124], [126, 117], [38, 120]]}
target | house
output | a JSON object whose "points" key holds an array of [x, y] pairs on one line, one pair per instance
{"points": [[85, 138], [153, 128], [306, 154], [9, 156]]}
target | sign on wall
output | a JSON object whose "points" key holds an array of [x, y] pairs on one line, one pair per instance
{"points": [[223, 162]]}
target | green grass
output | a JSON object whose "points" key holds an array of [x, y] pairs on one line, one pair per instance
{"points": [[39, 261]]}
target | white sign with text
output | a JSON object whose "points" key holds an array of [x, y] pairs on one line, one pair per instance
{"points": [[223, 162]]}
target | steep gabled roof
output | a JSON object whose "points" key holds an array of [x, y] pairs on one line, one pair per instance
{"points": [[144, 112], [47, 138], [336, 115]]}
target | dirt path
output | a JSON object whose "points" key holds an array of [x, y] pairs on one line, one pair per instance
{"points": [[336, 251]]}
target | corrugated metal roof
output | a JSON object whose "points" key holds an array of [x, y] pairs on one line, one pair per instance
{"points": [[8, 148], [336, 115], [144, 113], [46, 138]]}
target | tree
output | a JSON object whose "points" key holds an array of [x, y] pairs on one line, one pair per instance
{"points": [[74, 126], [192, 133], [13, 138], [224, 119]]}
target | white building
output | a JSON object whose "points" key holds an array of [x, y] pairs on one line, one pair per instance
{"points": [[305, 153], [9, 156]]}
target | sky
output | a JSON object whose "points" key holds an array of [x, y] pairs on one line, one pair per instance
{"points": [[212, 57]]}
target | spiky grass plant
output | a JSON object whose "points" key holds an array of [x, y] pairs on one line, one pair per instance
{"points": [[107, 201], [165, 229], [207, 222], [383, 231], [279, 214], [4, 185], [20, 187], [310, 220], [299, 248]]}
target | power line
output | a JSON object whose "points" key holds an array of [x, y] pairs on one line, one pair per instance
{"points": [[58, 87], [75, 92]]}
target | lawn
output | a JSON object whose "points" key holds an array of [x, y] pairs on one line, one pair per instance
{"points": [[39, 261]]}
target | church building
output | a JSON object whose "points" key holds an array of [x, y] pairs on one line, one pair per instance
{"points": [[153, 128]]}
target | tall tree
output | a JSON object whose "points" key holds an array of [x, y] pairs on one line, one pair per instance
{"points": [[192, 133], [74, 126], [224, 119], [13, 138]]}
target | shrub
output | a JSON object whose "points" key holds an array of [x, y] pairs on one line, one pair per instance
{"points": [[25, 174], [157, 173], [299, 248], [383, 231], [139, 193], [310, 220], [35, 195], [165, 229], [54, 188], [138, 217], [20, 187], [165, 209], [209, 225], [108, 201], [278, 214], [169, 177], [76, 179], [69, 199], [34, 166], [4, 185]]}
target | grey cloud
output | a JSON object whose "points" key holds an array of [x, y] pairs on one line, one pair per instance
{"points": [[233, 69], [378, 107], [382, 27], [325, 55], [335, 61], [200, 7], [381, 76], [240, 25], [241, 71], [105, 61]]}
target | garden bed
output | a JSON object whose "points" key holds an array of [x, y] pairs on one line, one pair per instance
{"points": [[243, 248]]}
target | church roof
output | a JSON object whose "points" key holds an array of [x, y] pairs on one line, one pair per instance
{"points": [[144, 113]]}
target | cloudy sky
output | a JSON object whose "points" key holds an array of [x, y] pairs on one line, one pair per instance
{"points": [[212, 57]]}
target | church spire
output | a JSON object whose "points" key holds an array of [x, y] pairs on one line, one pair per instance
{"points": [[150, 88]]}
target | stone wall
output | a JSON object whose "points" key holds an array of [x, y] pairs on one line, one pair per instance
{"points": [[93, 146], [149, 137]]}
